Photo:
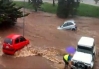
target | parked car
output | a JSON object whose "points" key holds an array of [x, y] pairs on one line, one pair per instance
{"points": [[13, 43], [84, 56], [70, 24]]}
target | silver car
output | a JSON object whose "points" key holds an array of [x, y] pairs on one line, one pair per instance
{"points": [[70, 24]]}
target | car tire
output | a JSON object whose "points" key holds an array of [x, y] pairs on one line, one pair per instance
{"points": [[73, 29]]}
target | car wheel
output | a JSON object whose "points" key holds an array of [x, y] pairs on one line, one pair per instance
{"points": [[73, 29]]}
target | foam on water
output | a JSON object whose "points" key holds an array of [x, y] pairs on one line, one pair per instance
{"points": [[51, 54]]}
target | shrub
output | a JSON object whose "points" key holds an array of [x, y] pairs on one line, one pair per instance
{"points": [[9, 13]]}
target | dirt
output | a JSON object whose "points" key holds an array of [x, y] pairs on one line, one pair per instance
{"points": [[49, 42]]}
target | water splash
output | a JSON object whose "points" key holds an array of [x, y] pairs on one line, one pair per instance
{"points": [[51, 53]]}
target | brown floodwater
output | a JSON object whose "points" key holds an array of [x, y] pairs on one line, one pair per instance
{"points": [[41, 30], [8, 62], [31, 58]]}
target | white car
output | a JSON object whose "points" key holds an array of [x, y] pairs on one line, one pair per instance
{"points": [[70, 24], [85, 54]]}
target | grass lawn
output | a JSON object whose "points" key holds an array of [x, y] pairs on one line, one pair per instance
{"points": [[88, 10], [83, 10]]}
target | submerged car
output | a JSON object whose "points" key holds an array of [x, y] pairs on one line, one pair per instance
{"points": [[70, 25], [13, 43], [84, 56]]}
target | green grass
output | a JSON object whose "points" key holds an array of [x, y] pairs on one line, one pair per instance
{"points": [[27, 5], [88, 10], [83, 10], [46, 7]]}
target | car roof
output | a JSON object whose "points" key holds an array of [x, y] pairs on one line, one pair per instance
{"points": [[13, 36], [86, 41], [70, 21]]}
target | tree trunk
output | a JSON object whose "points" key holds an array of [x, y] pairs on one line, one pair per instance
{"points": [[53, 2], [29, 1], [34, 2]]}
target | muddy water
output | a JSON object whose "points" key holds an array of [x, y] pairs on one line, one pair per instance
{"points": [[33, 58], [8, 62]]}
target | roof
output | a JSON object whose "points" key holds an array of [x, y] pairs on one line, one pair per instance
{"points": [[86, 41], [13, 36], [82, 56]]}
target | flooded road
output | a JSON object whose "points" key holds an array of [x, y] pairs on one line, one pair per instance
{"points": [[47, 43], [8, 62], [31, 58]]}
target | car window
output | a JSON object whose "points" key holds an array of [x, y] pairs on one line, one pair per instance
{"points": [[8, 40], [66, 24], [17, 41], [22, 39], [69, 23], [85, 49]]}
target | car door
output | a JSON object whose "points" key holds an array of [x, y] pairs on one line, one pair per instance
{"points": [[16, 44], [70, 25], [23, 41]]}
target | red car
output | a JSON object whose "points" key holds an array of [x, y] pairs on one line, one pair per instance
{"points": [[14, 42]]}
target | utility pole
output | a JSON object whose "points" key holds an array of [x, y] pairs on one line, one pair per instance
{"points": [[23, 17]]}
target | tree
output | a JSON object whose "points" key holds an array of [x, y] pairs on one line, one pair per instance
{"points": [[96, 1], [36, 4], [9, 13], [67, 7], [53, 2], [29, 1]]}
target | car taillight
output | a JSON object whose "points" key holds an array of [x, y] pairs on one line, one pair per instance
{"points": [[7, 46]]}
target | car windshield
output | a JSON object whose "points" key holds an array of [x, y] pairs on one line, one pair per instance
{"points": [[85, 49], [8, 40], [64, 25]]}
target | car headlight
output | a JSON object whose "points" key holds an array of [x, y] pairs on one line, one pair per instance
{"points": [[74, 61], [89, 65]]}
